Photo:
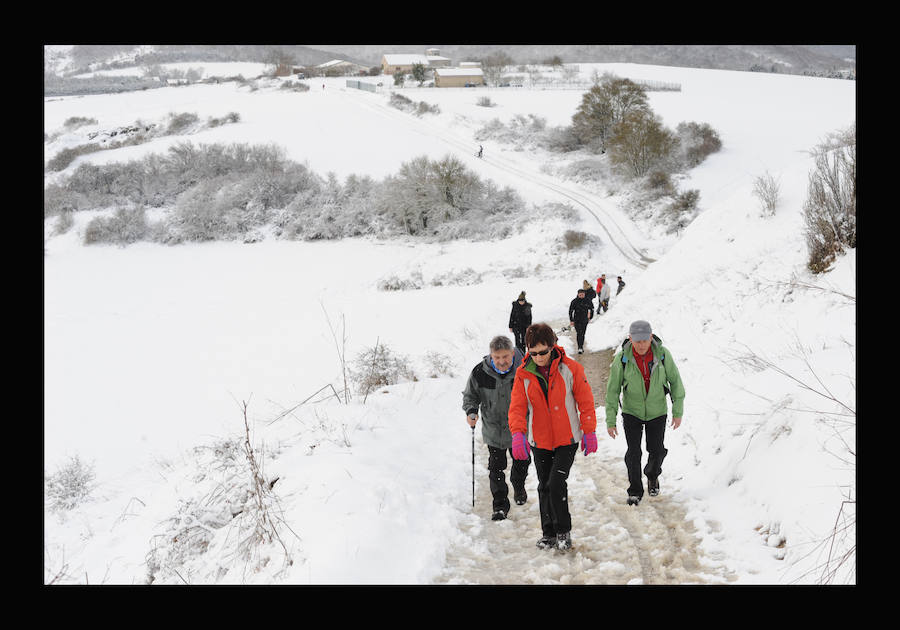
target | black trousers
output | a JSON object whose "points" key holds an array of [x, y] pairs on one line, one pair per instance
{"points": [[656, 452], [520, 338], [580, 327], [497, 478], [553, 493]]}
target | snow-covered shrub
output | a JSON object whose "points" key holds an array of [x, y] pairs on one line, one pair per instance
{"points": [[74, 122], [696, 141], [125, 226], [179, 123], [830, 207], [461, 278], [379, 366], [70, 485], [396, 283], [485, 101], [64, 222], [766, 189], [439, 364], [66, 156]]}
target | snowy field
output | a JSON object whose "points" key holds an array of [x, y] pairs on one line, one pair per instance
{"points": [[150, 349]]}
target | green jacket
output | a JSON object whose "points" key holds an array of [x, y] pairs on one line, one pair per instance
{"points": [[626, 378]]}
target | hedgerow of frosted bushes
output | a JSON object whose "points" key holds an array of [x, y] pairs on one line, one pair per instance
{"points": [[227, 192]]}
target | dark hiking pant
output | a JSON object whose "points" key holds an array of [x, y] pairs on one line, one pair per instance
{"points": [[520, 338], [580, 327], [553, 493], [656, 452], [497, 478]]}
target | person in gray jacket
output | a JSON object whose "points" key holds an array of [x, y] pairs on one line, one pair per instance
{"points": [[489, 388]]}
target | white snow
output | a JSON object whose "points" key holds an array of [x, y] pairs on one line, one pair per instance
{"points": [[149, 349]]}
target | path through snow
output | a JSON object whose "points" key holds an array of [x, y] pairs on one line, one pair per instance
{"points": [[613, 543]]}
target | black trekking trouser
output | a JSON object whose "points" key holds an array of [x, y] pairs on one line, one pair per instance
{"points": [[553, 493], [497, 478], [656, 452], [580, 327], [520, 338]]}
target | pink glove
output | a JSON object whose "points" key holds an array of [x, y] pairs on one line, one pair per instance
{"points": [[589, 443], [520, 446]]}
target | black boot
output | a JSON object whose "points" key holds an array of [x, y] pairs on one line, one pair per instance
{"points": [[498, 515], [520, 496], [546, 542], [653, 486]]}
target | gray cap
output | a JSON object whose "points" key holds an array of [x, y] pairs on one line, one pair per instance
{"points": [[640, 330]]}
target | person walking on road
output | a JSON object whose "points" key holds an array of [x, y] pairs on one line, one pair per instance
{"points": [[589, 292], [621, 285], [581, 311], [643, 372], [603, 295], [489, 388], [551, 412], [520, 320]]}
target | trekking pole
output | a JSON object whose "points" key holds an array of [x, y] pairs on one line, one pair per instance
{"points": [[473, 466]]}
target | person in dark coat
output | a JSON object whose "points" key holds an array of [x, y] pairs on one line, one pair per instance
{"points": [[621, 285], [520, 320], [581, 311], [589, 292], [489, 388]]}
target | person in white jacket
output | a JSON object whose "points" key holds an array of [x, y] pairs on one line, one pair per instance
{"points": [[604, 296]]}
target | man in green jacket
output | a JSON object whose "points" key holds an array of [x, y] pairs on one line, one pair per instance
{"points": [[643, 371], [489, 388]]}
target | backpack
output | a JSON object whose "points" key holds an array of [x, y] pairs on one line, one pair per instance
{"points": [[662, 359]]}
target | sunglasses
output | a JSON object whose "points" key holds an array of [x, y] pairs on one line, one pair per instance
{"points": [[541, 353]]}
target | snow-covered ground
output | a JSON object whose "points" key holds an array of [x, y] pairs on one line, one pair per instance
{"points": [[149, 349]]}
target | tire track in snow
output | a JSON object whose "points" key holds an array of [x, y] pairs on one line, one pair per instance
{"points": [[617, 235]]}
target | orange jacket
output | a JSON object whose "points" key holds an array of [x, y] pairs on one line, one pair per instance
{"points": [[561, 416]]}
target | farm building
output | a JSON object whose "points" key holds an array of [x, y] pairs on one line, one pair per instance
{"points": [[339, 67], [391, 64], [458, 77]]}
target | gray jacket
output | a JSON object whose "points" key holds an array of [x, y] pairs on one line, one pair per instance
{"points": [[491, 392]]}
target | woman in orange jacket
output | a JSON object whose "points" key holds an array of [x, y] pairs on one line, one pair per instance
{"points": [[550, 413]]}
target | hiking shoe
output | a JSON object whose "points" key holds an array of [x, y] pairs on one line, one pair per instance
{"points": [[520, 496], [633, 500], [546, 542], [498, 515], [564, 541], [653, 486], [580, 351]]}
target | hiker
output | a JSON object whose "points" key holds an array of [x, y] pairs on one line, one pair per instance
{"points": [[520, 320], [581, 311], [480, 150], [489, 387], [600, 282], [621, 284], [589, 292], [551, 411], [603, 295], [643, 371]]}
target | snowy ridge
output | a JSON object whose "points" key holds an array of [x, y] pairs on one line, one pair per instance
{"points": [[149, 349]]}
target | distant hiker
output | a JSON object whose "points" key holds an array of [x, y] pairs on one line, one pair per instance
{"points": [[489, 386], [520, 320], [603, 296], [643, 371], [552, 410], [600, 282], [621, 284], [480, 150], [589, 292], [581, 311]]}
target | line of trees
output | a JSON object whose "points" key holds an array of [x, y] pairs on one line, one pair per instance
{"points": [[232, 192]]}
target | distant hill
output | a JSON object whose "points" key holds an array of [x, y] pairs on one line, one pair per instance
{"points": [[790, 59], [793, 59]]}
